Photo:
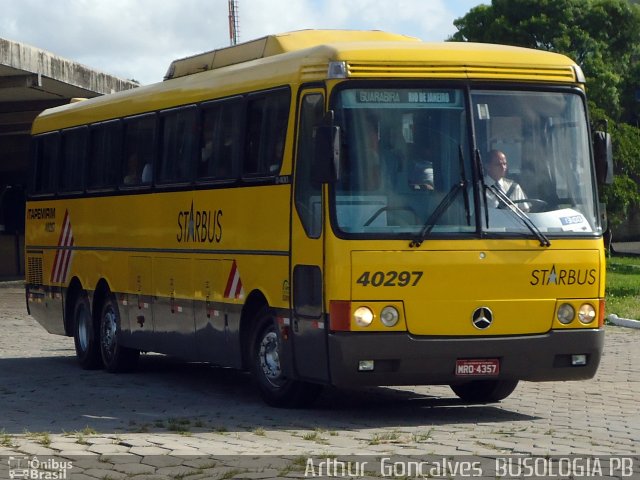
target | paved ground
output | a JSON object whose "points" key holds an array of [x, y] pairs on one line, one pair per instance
{"points": [[176, 420]]}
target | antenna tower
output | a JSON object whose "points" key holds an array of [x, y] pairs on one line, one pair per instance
{"points": [[234, 22]]}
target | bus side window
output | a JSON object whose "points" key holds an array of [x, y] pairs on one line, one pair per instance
{"points": [[179, 140], [45, 163], [139, 150], [105, 154], [74, 154], [218, 142], [266, 130]]}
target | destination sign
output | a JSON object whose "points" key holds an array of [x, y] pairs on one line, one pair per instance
{"points": [[416, 98]]}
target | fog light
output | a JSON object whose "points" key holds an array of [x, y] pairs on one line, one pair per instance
{"points": [[363, 316], [566, 313], [587, 313], [389, 316], [579, 360], [366, 365]]}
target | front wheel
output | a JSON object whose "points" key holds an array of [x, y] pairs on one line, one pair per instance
{"points": [[266, 366], [484, 391], [115, 357]]}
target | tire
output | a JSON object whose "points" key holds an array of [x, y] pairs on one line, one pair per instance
{"points": [[115, 357], [484, 391], [85, 334], [266, 353]]}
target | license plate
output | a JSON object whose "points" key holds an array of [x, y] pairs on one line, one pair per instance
{"points": [[478, 368]]}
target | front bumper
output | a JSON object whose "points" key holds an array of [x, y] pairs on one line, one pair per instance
{"points": [[403, 359]]}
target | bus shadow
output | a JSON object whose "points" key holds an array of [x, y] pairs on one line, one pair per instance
{"points": [[164, 395]]}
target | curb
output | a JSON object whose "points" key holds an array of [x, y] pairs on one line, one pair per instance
{"points": [[623, 322]]}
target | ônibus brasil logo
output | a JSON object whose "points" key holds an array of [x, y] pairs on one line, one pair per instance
{"points": [[25, 467]]}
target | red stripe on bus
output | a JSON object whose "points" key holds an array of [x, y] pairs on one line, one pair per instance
{"points": [[232, 274]]}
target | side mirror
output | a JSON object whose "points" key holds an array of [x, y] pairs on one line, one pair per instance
{"points": [[326, 153], [603, 156]]}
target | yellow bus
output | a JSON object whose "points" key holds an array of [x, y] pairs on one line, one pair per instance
{"points": [[319, 208]]}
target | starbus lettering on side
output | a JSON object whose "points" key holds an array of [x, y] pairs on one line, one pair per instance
{"points": [[200, 226]]}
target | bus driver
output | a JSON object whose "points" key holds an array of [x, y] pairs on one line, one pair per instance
{"points": [[495, 171]]}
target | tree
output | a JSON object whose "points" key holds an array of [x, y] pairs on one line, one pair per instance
{"points": [[603, 37]]}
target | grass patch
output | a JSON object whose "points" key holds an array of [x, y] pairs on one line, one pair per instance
{"points": [[422, 436], [623, 287], [89, 431], [298, 464], [42, 438], [311, 436], [385, 437], [6, 440], [230, 474], [179, 425]]}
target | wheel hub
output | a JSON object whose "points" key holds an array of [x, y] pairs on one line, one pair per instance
{"points": [[269, 357]]}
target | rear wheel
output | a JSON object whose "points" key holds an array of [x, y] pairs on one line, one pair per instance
{"points": [[85, 335], [115, 357], [485, 391], [266, 366]]}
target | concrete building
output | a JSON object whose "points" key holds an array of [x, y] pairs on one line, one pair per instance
{"points": [[32, 80]]}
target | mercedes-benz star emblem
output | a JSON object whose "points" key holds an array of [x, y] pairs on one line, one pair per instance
{"points": [[482, 318]]}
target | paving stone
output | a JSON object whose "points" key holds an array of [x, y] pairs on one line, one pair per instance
{"points": [[134, 469], [161, 461], [72, 453], [237, 432], [144, 451], [112, 474], [108, 449], [176, 471]]}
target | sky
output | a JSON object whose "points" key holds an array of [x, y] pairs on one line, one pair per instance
{"points": [[138, 39]]}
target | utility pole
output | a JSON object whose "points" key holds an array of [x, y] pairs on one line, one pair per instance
{"points": [[234, 22]]}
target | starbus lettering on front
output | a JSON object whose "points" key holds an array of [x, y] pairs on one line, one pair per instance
{"points": [[561, 276]]}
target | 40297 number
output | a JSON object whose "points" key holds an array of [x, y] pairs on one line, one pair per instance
{"points": [[390, 279]]}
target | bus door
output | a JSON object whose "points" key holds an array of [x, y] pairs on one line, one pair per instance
{"points": [[308, 322]]}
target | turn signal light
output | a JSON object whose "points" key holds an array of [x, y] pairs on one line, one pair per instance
{"points": [[339, 315]]}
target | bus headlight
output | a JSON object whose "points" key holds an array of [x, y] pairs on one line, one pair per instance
{"points": [[587, 313], [363, 316], [389, 316], [566, 313]]}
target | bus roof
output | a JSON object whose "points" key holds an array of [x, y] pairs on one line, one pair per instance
{"points": [[306, 56], [275, 45]]}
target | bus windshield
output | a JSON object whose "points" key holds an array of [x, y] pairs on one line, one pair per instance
{"points": [[408, 165]]}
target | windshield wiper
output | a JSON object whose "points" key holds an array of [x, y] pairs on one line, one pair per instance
{"points": [[504, 199], [446, 202]]}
